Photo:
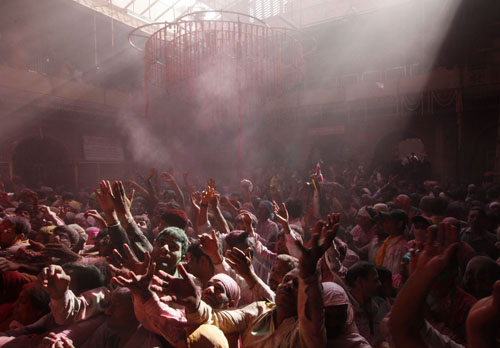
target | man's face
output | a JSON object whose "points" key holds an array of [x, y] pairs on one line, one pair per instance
{"points": [[24, 213], [278, 271], [199, 267], [287, 291], [495, 208], [120, 314], [262, 213], [475, 219], [390, 227], [215, 295], [60, 237], [167, 253], [8, 235], [23, 309], [370, 283], [335, 320], [138, 208]]}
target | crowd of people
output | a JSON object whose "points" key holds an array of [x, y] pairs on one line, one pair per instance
{"points": [[345, 259]]}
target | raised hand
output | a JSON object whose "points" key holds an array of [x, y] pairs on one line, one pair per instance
{"points": [[207, 195], [209, 245], [55, 281], [123, 265], [137, 283], [214, 203], [247, 220], [281, 214], [321, 241], [181, 290], [195, 199], [439, 250], [99, 220], [241, 262], [483, 320], [121, 201], [167, 177], [152, 173], [105, 197]]}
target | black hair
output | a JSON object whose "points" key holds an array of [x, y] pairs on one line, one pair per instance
{"points": [[21, 225], [179, 236], [384, 274], [39, 298], [86, 277], [174, 218], [196, 252], [360, 269]]}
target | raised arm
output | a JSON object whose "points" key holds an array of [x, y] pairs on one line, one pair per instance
{"points": [[183, 291], [66, 307], [407, 314], [221, 222], [170, 180], [310, 309], [122, 204]]}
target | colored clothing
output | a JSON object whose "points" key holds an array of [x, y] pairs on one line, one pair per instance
{"points": [[391, 253], [256, 322]]}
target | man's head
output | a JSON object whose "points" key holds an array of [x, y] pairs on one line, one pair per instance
{"points": [[362, 278], [13, 230], [239, 223], [480, 275], [476, 218], [32, 304], [284, 264], [338, 311], [24, 210], [65, 235], [222, 292], [175, 218], [364, 218], [139, 206], [420, 225], [265, 210], [169, 248], [280, 247], [286, 293], [240, 240], [395, 222], [120, 315], [199, 264]]}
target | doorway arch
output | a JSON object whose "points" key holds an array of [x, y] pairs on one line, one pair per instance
{"points": [[41, 162]]}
